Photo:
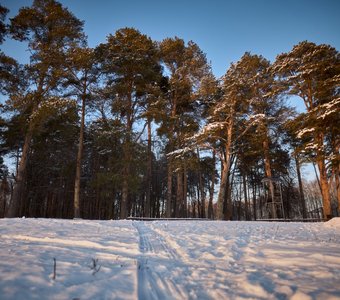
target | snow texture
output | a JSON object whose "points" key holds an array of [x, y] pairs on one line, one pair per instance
{"points": [[302, 132], [168, 259]]}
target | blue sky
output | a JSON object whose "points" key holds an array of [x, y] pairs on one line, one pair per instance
{"points": [[223, 29]]}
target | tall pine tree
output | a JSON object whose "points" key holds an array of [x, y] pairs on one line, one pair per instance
{"points": [[311, 72], [50, 30]]}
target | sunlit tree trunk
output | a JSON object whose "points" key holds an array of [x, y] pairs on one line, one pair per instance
{"points": [[326, 198], [226, 166]]}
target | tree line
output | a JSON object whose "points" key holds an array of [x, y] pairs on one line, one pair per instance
{"points": [[135, 127]]}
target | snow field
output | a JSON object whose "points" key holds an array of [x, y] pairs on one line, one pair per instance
{"points": [[28, 246], [169, 259]]}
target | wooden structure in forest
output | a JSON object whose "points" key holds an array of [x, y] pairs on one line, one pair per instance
{"points": [[272, 204]]}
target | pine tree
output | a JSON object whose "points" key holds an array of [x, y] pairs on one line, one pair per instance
{"points": [[50, 173], [187, 67], [130, 61], [269, 111], [311, 72], [222, 130], [291, 127], [81, 75], [50, 30]]}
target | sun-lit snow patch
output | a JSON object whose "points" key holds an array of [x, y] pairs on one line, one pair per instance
{"points": [[333, 223]]}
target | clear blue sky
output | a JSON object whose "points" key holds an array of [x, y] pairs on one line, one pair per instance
{"points": [[223, 29]]}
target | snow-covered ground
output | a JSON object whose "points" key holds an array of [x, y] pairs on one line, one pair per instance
{"points": [[168, 260]]}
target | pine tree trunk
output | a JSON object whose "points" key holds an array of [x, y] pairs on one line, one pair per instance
{"points": [[211, 193], [254, 197], [169, 190], [302, 196], [179, 195], [320, 160], [316, 175], [337, 186], [202, 214], [268, 169], [222, 191], [239, 197], [226, 165], [148, 174], [229, 204], [201, 188], [4, 189], [14, 208], [185, 191], [169, 202], [210, 204], [326, 199], [261, 202], [223, 200], [127, 155], [245, 197], [79, 161], [125, 185], [337, 178]]}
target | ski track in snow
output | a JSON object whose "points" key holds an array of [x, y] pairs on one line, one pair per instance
{"points": [[169, 260], [156, 254]]}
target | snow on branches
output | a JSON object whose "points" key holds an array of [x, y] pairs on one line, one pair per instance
{"points": [[51, 107], [329, 108], [304, 131]]}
